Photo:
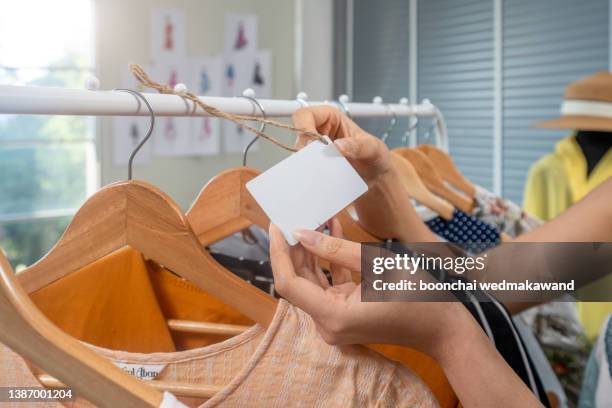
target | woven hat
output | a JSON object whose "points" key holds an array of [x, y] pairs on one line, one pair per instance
{"points": [[587, 105]]}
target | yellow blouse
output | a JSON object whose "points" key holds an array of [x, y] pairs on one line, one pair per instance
{"points": [[557, 181]]}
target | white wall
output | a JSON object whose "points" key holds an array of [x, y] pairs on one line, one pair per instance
{"points": [[314, 45], [122, 36]]}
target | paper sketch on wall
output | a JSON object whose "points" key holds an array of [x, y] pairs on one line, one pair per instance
{"points": [[230, 75], [251, 70], [258, 78], [128, 131], [167, 35], [172, 135], [207, 79], [240, 32]]}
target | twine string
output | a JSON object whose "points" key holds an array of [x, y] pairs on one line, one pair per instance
{"points": [[146, 81]]}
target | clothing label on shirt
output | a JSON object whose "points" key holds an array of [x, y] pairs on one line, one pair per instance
{"points": [[141, 371], [307, 189]]}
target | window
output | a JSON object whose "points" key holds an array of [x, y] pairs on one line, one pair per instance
{"points": [[544, 45], [47, 163]]}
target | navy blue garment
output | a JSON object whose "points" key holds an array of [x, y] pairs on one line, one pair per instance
{"points": [[466, 232]]}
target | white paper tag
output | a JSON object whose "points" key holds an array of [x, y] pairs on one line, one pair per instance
{"points": [[307, 188], [145, 372]]}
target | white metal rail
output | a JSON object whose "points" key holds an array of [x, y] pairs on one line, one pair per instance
{"points": [[32, 100]]}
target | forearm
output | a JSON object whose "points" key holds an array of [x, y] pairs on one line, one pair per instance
{"points": [[387, 212], [589, 220], [478, 374]]}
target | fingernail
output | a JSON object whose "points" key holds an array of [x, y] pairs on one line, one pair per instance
{"points": [[307, 237], [344, 145]]}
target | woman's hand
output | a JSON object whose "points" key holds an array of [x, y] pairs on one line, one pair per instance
{"points": [[445, 331], [336, 308], [368, 154], [385, 210]]}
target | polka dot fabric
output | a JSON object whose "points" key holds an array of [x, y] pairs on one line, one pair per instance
{"points": [[466, 231]]}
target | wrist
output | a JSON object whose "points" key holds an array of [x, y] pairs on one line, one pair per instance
{"points": [[459, 333], [382, 207]]}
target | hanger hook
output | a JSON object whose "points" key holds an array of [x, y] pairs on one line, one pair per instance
{"points": [[434, 123], [413, 126], [391, 124], [262, 126], [144, 140], [302, 99], [342, 102]]}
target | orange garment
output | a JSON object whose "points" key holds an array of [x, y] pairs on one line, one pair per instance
{"points": [[180, 299], [284, 365], [109, 303]]}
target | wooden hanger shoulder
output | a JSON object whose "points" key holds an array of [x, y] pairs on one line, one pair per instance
{"points": [[448, 169], [28, 332], [224, 206], [432, 179], [149, 221], [416, 189], [97, 229]]}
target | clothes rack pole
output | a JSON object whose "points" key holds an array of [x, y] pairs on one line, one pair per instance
{"points": [[34, 100]]}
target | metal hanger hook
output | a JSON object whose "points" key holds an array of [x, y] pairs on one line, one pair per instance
{"points": [[431, 128], [140, 97], [262, 127], [409, 130], [392, 124]]}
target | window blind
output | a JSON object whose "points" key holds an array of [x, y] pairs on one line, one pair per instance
{"points": [[380, 58], [546, 45], [455, 71]]}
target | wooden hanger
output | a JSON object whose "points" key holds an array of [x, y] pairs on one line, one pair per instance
{"points": [[29, 333], [225, 206], [447, 169], [352, 229], [137, 214], [428, 173], [417, 190]]}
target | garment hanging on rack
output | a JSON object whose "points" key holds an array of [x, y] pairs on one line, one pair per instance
{"points": [[498, 325], [596, 388], [424, 366], [506, 216], [256, 247], [287, 365], [123, 302], [110, 303], [466, 231], [510, 219]]}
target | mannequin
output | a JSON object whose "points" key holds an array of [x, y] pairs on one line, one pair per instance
{"points": [[594, 145]]}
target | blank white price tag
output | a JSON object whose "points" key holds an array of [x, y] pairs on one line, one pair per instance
{"points": [[307, 188]]}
